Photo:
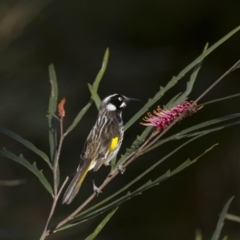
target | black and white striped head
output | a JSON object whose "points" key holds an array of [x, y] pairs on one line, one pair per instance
{"points": [[116, 102]]}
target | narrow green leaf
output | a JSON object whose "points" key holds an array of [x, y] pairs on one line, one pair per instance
{"points": [[101, 225], [172, 173], [210, 123], [27, 144], [102, 70], [99, 211], [32, 167], [210, 130], [54, 90], [221, 99], [95, 96], [191, 82], [171, 103], [78, 117], [220, 223], [188, 162], [52, 111], [77, 221], [138, 141], [94, 88], [174, 79]]}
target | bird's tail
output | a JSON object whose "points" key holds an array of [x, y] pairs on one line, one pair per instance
{"points": [[74, 186]]}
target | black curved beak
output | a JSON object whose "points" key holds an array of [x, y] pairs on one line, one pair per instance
{"points": [[132, 99]]}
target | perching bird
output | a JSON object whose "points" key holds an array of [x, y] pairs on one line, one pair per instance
{"points": [[102, 144]]}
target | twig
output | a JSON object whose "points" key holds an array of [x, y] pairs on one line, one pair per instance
{"points": [[231, 69], [56, 165], [55, 199]]}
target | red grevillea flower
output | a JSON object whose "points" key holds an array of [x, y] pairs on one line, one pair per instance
{"points": [[162, 118], [61, 110]]}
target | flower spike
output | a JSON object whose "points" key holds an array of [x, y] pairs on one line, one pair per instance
{"points": [[162, 118], [61, 110]]}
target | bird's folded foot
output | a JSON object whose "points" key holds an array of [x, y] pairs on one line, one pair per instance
{"points": [[121, 168], [96, 190]]}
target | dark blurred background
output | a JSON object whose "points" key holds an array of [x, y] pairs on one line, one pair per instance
{"points": [[149, 42]]}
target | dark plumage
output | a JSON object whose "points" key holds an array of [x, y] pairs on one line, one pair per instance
{"points": [[102, 144]]}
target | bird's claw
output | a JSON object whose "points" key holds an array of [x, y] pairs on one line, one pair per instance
{"points": [[96, 190], [121, 168]]}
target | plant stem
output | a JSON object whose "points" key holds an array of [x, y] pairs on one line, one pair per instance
{"points": [[56, 161], [231, 69], [55, 199]]}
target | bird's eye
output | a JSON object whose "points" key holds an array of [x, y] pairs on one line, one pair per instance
{"points": [[120, 98]]}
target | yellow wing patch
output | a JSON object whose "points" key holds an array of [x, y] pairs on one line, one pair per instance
{"points": [[114, 143]]}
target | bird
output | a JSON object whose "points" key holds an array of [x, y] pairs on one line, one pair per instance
{"points": [[102, 143]]}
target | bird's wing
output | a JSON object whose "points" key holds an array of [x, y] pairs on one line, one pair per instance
{"points": [[99, 144]]}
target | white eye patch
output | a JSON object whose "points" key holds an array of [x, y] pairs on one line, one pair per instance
{"points": [[110, 107], [120, 99]]}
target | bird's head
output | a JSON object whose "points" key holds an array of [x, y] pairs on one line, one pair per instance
{"points": [[116, 102]]}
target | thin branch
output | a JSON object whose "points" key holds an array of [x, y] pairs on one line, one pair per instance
{"points": [[55, 199], [56, 161], [234, 67]]}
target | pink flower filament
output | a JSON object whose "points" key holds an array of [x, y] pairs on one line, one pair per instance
{"points": [[162, 118]]}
